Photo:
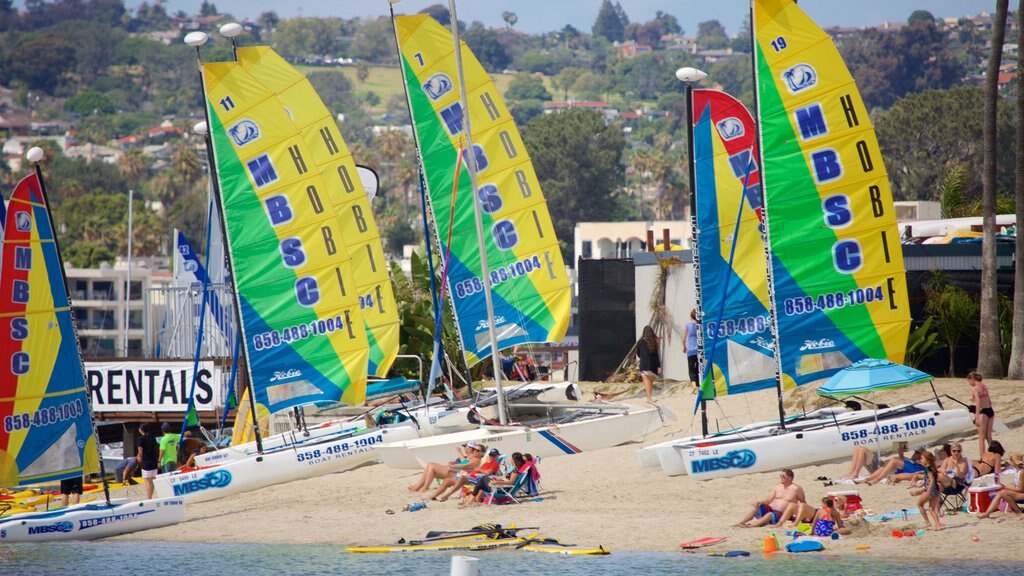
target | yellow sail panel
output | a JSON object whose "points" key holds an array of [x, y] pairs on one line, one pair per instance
{"points": [[530, 288], [840, 287], [304, 333], [332, 160]]}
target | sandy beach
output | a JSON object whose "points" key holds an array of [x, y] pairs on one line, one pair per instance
{"points": [[605, 498]]}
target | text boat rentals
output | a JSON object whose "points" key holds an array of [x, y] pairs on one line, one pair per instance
{"points": [[835, 288], [503, 268], [298, 234], [48, 432]]}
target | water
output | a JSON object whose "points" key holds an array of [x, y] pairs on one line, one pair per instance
{"points": [[124, 557]]}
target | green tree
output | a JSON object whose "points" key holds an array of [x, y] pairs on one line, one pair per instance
{"points": [[88, 102], [590, 86], [335, 89], [303, 37], [955, 311], [438, 12], [510, 18], [989, 359], [578, 159], [487, 47], [920, 16], [1015, 368], [267, 22], [527, 87], [52, 57], [565, 79], [742, 41], [208, 8], [711, 35], [374, 40], [609, 24], [923, 134]]}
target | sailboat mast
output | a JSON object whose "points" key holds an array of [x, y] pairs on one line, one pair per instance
{"points": [[35, 155], [477, 219], [197, 41], [773, 312]]}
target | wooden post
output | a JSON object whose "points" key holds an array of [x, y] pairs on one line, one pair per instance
{"points": [[650, 240], [665, 239]]}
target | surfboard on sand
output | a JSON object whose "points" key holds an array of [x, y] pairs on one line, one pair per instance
{"points": [[709, 541]]}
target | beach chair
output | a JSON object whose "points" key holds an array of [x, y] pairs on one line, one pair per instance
{"points": [[526, 484], [954, 498]]}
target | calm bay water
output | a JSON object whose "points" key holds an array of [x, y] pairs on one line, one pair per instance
{"points": [[142, 558]]}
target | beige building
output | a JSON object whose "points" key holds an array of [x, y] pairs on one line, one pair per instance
{"points": [[624, 239]]}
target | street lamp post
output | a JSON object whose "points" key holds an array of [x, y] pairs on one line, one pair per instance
{"points": [[688, 76]]}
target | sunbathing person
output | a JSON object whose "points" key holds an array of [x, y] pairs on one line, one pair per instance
{"points": [[485, 483], [489, 466], [435, 471], [899, 468], [776, 507], [1012, 495], [862, 457], [990, 461]]}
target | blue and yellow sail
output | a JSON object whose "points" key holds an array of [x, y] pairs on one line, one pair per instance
{"points": [[46, 431], [530, 288], [736, 319], [837, 278], [304, 334]]}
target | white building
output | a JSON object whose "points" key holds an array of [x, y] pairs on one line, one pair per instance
{"points": [[624, 239]]}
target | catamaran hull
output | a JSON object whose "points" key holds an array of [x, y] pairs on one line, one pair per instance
{"points": [[725, 457], [545, 441], [259, 471], [290, 439], [92, 521]]}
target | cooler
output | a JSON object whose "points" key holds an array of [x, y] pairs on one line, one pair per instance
{"points": [[853, 502], [979, 497]]}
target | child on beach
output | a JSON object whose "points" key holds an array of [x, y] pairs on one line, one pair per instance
{"points": [[929, 493], [829, 520]]}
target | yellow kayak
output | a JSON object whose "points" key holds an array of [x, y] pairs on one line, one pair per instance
{"points": [[473, 544], [566, 550]]}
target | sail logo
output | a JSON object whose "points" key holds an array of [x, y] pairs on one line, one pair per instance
{"points": [[262, 171], [438, 85], [244, 132], [50, 528], [215, 479], [22, 222], [763, 342], [281, 375], [734, 459], [820, 344], [800, 78], [730, 129]]}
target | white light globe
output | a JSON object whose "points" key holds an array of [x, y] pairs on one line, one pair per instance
{"points": [[196, 39], [231, 29], [200, 127], [35, 154], [688, 74]]}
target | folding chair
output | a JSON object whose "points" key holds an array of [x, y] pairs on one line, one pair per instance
{"points": [[954, 498]]}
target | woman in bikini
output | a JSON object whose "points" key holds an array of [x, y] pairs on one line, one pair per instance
{"points": [[990, 461], [1012, 494], [983, 412]]}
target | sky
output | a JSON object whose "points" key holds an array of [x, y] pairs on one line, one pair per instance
{"points": [[546, 15]]}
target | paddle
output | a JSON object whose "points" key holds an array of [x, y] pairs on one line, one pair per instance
{"points": [[495, 531], [548, 541]]}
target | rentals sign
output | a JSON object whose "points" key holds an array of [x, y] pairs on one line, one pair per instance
{"points": [[154, 385]]}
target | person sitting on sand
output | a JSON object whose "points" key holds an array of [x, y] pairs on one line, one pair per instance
{"points": [[863, 457], [485, 483], [990, 461], [775, 508], [1013, 494], [899, 468], [828, 520], [956, 466], [436, 471], [488, 467]]}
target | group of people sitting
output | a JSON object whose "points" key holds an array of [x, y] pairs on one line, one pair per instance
{"points": [[475, 467], [786, 502]]}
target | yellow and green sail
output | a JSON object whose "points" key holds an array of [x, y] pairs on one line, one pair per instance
{"points": [[303, 330], [837, 276], [530, 288], [333, 160], [46, 431]]}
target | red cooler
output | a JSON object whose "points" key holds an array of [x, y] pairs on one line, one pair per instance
{"points": [[979, 498]]}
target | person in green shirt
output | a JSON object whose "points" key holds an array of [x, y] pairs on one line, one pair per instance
{"points": [[168, 449]]}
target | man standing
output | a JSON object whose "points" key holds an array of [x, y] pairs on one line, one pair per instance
{"points": [[71, 491], [168, 449], [148, 458], [773, 509]]}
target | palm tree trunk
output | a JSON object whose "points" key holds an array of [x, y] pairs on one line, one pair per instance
{"points": [[989, 361], [1016, 368]]}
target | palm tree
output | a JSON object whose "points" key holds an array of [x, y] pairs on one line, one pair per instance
{"points": [[1016, 368], [133, 165], [989, 359]]}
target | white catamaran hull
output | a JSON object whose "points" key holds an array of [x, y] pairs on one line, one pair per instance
{"points": [[545, 441], [294, 463], [732, 456], [91, 521], [288, 439]]}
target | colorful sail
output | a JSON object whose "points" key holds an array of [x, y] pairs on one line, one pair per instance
{"points": [[304, 336], [189, 272], [735, 318], [837, 275], [46, 433], [332, 158], [530, 288]]}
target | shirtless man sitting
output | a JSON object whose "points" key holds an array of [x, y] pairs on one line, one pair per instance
{"points": [[783, 500]]}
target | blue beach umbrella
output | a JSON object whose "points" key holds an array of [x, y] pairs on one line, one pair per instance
{"points": [[871, 375]]}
